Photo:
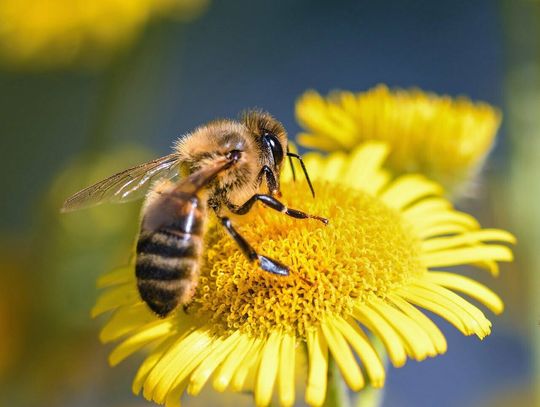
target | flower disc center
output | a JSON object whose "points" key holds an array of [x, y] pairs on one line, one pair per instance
{"points": [[366, 249]]}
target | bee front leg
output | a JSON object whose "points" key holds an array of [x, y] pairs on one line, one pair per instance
{"points": [[273, 203], [271, 181], [266, 263]]}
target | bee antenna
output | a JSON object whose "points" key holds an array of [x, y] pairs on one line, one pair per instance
{"points": [[293, 155], [291, 164]]}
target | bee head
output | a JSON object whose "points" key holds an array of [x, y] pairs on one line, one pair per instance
{"points": [[271, 138], [269, 134]]}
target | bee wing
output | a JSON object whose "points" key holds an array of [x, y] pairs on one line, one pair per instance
{"points": [[203, 176], [126, 185]]}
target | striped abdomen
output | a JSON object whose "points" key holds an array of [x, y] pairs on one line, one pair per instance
{"points": [[167, 264]]}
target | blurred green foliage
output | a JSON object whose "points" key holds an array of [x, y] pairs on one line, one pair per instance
{"points": [[50, 280]]}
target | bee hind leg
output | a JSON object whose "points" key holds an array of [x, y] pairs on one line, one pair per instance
{"points": [[266, 263]]}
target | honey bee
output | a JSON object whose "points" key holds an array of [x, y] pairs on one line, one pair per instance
{"points": [[225, 166]]}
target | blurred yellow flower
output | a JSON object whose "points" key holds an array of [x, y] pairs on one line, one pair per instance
{"points": [[373, 267], [444, 138], [50, 33]]}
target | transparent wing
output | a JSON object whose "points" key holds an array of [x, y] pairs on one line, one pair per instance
{"points": [[126, 185], [203, 176]]}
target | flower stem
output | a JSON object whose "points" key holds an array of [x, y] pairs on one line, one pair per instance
{"points": [[337, 394], [370, 397]]}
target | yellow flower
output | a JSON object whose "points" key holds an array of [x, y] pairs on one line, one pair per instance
{"points": [[446, 139], [49, 33], [372, 268]]}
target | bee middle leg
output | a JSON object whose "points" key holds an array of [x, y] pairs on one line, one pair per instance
{"points": [[275, 204], [266, 263]]}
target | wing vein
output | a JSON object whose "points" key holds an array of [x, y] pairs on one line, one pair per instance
{"points": [[126, 185]]}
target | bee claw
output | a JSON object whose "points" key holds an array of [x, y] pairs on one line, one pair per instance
{"points": [[273, 266], [320, 218]]}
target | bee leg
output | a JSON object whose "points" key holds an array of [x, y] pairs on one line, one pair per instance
{"points": [[271, 181], [273, 203], [266, 263]]}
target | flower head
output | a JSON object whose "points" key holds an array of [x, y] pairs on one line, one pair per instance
{"points": [[446, 139], [371, 269], [50, 33]]}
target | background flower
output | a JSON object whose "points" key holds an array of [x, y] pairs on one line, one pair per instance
{"points": [[50, 33], [444, 138]]}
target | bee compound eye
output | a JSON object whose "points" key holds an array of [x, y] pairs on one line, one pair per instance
{"points": [[275, 146]]}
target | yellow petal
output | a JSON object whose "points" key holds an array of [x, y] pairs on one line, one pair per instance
{"points": [[469, 238], [472, 324], [456, 257], [417, 342], [267, 370], [175, 364], [333, 167], [149, 363], [364, 166], [448, 217], [251, 359], [425, 207], [362, 346], [125, 320], [477, 315], [124, 294], [343, 356], [183, 375], [441, 229], [226, 371], [224, 347], [423, 321], [376, 324], [435, 307], [287, 365], [316, 143], [318, 368], [489, 265], [120, 276], [468, 286], [144, 336], [375, 184], [174, 396], [407, 189], [314, 163]]}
